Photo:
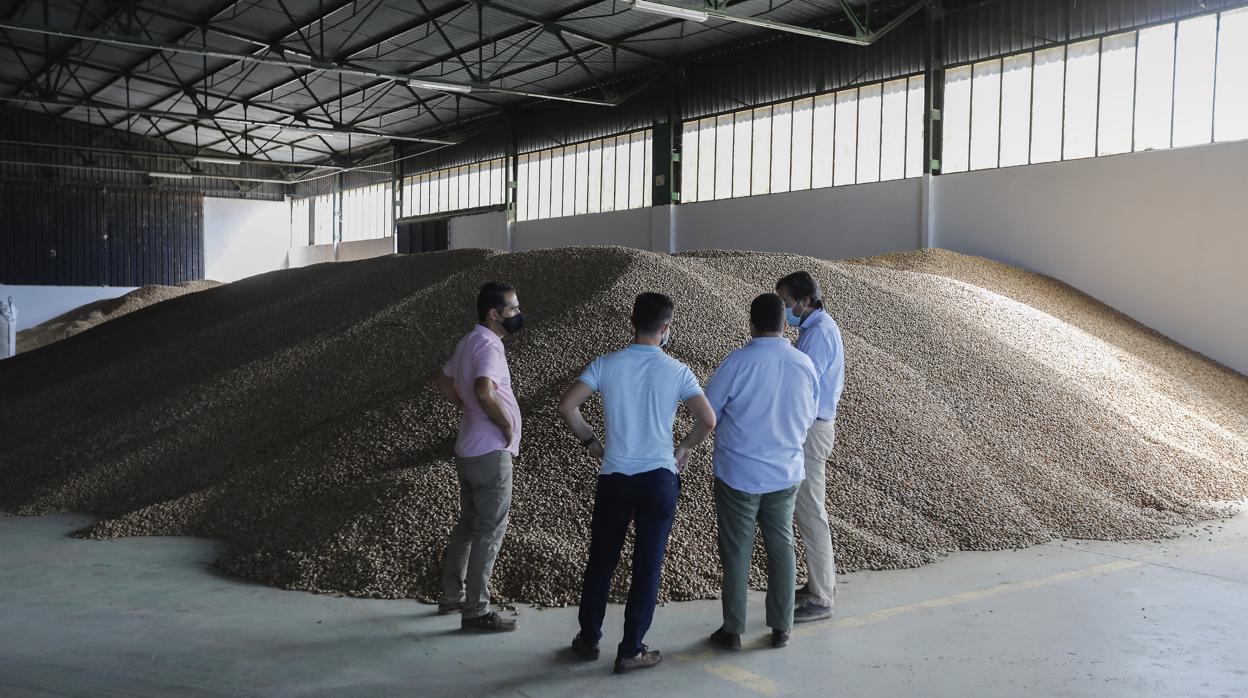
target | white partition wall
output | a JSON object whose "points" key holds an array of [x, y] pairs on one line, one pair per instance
{"points": [[630, 228], [484, 230], [243, 237], [832, 222], [1161, 236]]}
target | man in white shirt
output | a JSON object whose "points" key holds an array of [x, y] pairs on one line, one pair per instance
{"points": [[820, 339], [764, 397]]}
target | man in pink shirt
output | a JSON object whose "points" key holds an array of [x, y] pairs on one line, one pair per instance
{"points": [[477, 380]]}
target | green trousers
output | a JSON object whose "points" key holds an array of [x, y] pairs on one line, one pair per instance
{"points": [[738, 515]]}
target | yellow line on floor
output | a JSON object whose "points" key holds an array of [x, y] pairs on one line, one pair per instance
{"points": [[744, 678], [763, 685], [975, 595]]}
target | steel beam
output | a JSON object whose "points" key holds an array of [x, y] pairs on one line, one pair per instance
{"points": [[210, 118], [865, 40]]}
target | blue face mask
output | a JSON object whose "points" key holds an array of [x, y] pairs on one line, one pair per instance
{"points": [[794, 320]]}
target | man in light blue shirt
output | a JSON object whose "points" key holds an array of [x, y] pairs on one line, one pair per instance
{"points": [[641, 388], [820, 339], [764, 397]]}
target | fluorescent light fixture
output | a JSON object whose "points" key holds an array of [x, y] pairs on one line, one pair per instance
{"points": [[440, 86], [171, 175], [658, 8], [216, 160]]}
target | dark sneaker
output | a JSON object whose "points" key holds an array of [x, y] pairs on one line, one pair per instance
{"points": [[490, 622], [645, 659], [727, 640], [584, 648], [446, 608], [811, 611], [802, 593], [779, 638]]}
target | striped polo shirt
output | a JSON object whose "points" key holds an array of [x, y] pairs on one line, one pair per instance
{"points": [[641, 388]]}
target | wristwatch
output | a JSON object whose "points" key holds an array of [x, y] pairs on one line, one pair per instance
{"points": [[590, 440]]}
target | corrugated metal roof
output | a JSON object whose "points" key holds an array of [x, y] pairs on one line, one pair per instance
{"points": [[511, 44]]}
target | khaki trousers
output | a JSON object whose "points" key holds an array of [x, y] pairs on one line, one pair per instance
{"points": [[811, 515], [484, 505]]}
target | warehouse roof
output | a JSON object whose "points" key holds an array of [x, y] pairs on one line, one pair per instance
{"points": [[306, 80]]}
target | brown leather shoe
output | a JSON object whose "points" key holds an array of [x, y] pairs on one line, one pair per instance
{"points": [[727, 640], [645, 659], [490, 622]]}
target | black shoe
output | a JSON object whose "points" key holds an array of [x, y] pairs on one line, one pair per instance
{"points": [[802, 593], [645, 659], [584, 648], [779, 638], [727, 640], [490, 622]]}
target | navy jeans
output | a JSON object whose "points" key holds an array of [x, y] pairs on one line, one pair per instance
{"points": [[648, 500]]}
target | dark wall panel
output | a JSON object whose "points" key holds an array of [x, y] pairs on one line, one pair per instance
{"points": [[86, 236]]}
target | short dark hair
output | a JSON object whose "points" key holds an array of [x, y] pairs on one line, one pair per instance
{"points": [[651, 311], [492, 296], [801, 284], [767, 313]]}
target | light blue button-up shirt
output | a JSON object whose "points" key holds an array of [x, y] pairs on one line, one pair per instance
{"points": [[641, 388], [820, 339], [764, 396]]}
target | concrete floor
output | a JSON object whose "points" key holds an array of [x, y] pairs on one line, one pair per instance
{"points": [[152, 617]]}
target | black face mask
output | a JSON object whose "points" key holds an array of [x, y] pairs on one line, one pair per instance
{"points": [[512, 325]]}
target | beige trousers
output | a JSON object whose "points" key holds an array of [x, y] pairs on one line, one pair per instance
{"points": [[811, 515]]}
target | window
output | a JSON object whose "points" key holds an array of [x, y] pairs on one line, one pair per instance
{"points": [[893, 131], [1079, 118], [455, 188], [606, 174], [858, 134], [1015, 110], [957, 118], [1117, 87], [985, 114], [1193, 80], [367, 212], [1175, 84], [300, 221], [1230, 116]]}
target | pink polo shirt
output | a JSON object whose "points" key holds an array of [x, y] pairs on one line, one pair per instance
{"points": [[480, 354]]}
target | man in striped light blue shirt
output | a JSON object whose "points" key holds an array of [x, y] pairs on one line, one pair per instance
{"points": [[764, 397], [641, 388]]}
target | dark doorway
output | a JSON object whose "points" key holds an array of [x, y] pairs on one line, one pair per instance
{"points": [[424, 236]]}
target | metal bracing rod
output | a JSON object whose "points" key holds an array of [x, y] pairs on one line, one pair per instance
{"points": [[179, 88], [556, 27], [226, 6], [94, 168], [328, 67], [193, 119], [435, 60], [859, 27], [166, 156], [52, 61], [865, 40]]}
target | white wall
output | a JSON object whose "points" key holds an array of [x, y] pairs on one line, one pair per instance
{"points": [[38, 304], [1161, 236], [304, 255], [624, 228], [365, 249], [243, 237], [484, 230], [831, 223]]}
